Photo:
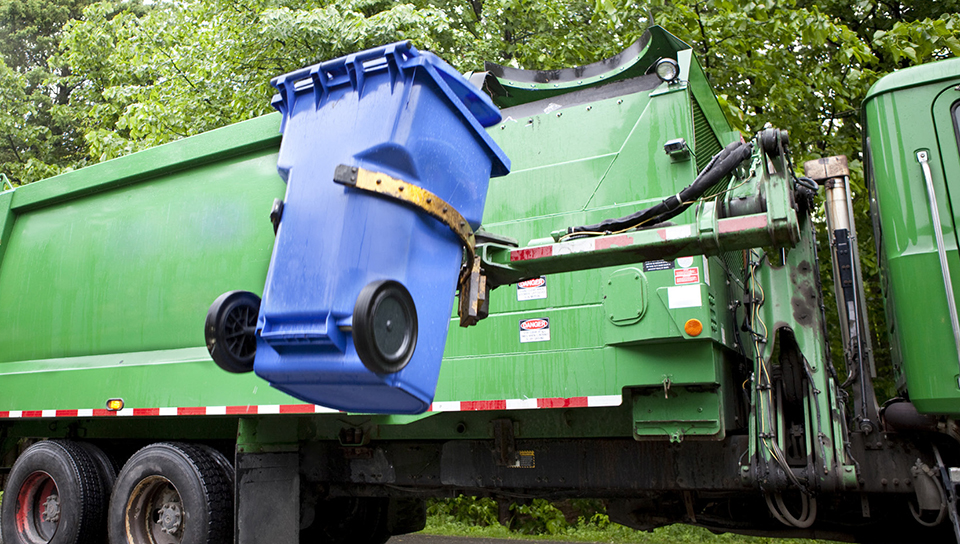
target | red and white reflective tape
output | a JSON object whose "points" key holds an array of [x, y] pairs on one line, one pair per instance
{"points": [[526, 404], [440, 406], [568, 248]]}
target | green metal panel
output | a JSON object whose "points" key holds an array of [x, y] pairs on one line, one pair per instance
{"points": [[578, 164], [898, 126], [6, 220], [181, 237], [108, 272]]}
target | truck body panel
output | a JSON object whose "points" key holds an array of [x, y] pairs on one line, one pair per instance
{"points": [[907, 112]]}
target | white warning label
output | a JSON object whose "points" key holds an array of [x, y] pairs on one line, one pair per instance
{"points": [[534, 330], [532, 289], [684, 296]]}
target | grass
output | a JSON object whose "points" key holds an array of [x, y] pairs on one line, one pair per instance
{"points": [[585, 521], [612, 533]]}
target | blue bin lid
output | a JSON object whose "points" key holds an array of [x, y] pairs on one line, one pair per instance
{"points": [[397, 58]]}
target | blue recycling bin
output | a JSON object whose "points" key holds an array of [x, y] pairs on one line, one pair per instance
{"points": [[358, 281]]}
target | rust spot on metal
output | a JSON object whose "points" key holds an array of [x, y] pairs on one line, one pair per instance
{"points": [[804, 304]]}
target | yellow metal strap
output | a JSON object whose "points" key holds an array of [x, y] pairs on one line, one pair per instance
{"points": [[472, 281]]}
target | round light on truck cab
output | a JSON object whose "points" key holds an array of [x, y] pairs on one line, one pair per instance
{"points": [[693, 327], [115, 405], [668, 70]]}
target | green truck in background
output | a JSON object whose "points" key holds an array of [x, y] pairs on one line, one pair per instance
{"points": [[672, 361]]}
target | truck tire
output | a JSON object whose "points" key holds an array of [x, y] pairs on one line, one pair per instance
{"points": [[348, 520], [106, 466], [172, 493], [55, 494]]}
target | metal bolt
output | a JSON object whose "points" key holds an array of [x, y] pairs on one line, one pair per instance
{"points": [[620, 101], [589, 108], [379, 181], [51, 509], [503, 127], [559, 114], [400, 188], [429, 200]]}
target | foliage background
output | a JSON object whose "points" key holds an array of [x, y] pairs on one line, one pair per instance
{"points": [[82, 81]]}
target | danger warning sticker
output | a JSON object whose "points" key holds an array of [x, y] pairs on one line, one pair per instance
{"points": [[534, 330], [532, 289], [684, 276]]}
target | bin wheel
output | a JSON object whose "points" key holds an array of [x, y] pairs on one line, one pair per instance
{"points": [[231, 330], [55, 489], [385, 326], [172, 493]]}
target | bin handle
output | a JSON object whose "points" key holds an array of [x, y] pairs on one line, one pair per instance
{"points": [[4, 182], [473, 288]]}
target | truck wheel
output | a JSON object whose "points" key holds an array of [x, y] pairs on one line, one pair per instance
{"points": [[231, 330], [385, 326], [106, 466], [55, 494], [172, 493], [348, 520]]}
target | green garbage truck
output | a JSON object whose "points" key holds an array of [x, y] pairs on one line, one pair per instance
{"points": [[640, 320]]}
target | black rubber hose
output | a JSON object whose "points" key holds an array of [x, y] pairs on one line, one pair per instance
{"points": [[719, 167]]}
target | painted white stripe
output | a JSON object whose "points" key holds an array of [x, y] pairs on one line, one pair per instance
{"points": [[168, 411], [521, 404], [125, 412], [317, 409], [16, 413], [49, 413], [447, 406], [85, 412], [216, 410], [268, 409], [604, 400]]}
